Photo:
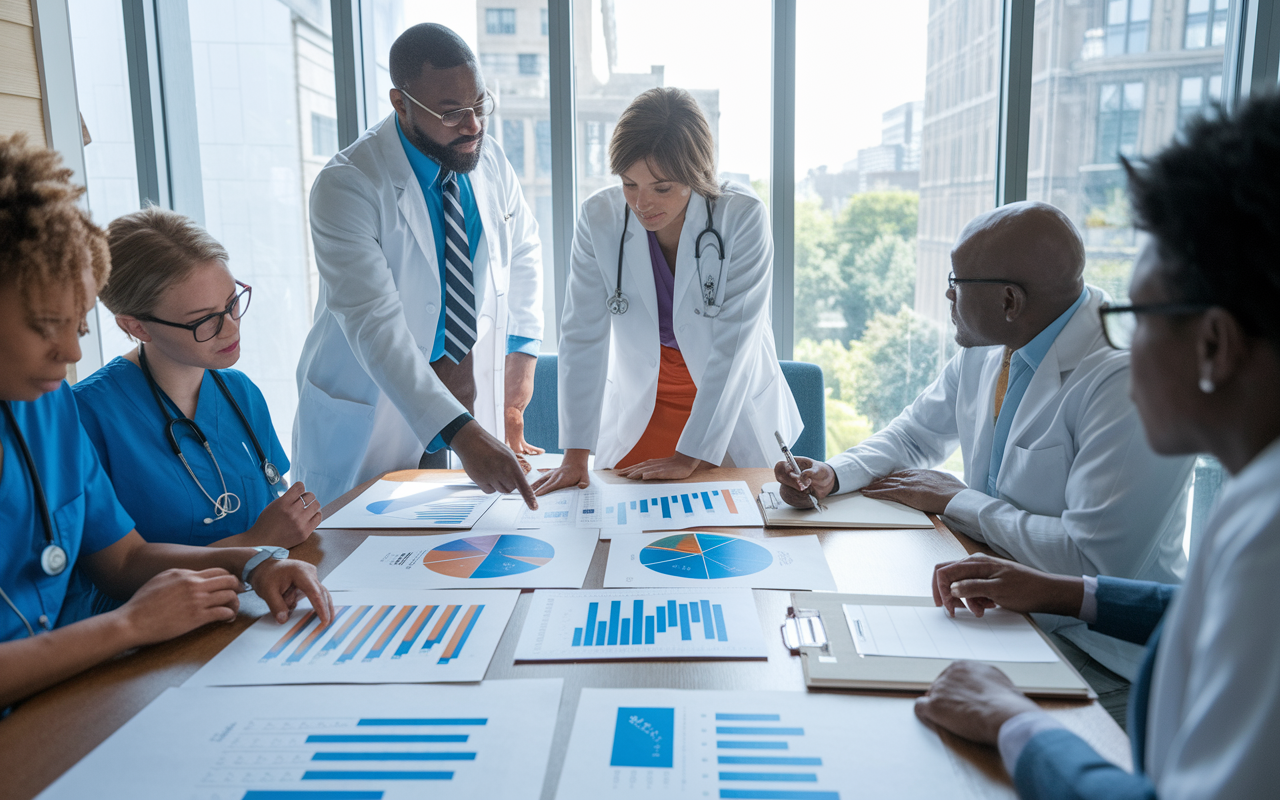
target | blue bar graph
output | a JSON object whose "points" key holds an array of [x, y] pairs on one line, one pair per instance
{"points": [[637, 621], [666, 508], [644, 506], [684, 501], [648, 629], [748, 717], [706, 502], [615, 610], [772, 761], [348, 775], [419, 721], [780, 777], [733, 745], [734, 731], [622, 513], [273, 794], [396, 756], [769, 794], [383, 738], [592, 610]]}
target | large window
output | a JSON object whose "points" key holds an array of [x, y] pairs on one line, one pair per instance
{"points": [[1206, 23], [1087, 111], [1128, 26], [500, 21], [887, 172]]}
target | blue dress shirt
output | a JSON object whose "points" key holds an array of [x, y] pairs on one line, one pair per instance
{"points": [[87, 517], [1022, 366], [127, 429]]}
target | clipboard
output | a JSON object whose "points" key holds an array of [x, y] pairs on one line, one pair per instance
{"points": [[816, 629]]}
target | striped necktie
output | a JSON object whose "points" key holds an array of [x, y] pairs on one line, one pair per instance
{"points": [[459, 301]]}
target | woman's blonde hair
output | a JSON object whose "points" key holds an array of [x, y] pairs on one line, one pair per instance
{"points": [[665, 128], [151, 250], [46, 239]]}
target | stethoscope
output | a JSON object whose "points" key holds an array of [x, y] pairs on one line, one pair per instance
{"points": [[53, 559], [227, 502], [618, 302]]}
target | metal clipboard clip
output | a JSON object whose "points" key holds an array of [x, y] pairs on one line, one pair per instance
{"points": [[803, 628]]}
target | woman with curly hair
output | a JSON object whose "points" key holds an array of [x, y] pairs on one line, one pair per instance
{"points": [[57, 508]]}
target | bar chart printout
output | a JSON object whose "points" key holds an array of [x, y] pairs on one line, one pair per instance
{"points": [[626, 508], [390, 742], [641, 623], [405, 636], [667, 743], [412, 504]]}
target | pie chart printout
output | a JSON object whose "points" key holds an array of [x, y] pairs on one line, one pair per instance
{"points": [[705, 556], [489, 556]]}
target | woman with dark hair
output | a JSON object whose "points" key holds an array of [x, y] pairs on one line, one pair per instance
{"points": [[1204, 712], [666, 322], [58, 511]]}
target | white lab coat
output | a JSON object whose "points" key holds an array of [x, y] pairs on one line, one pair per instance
{"points": [[1081, 491], [609, 363], [1213, 719], [368, 400]]}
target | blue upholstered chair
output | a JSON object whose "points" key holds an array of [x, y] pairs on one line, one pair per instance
{"points": [[542, 421]]}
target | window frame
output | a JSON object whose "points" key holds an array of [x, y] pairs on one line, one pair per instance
{"points": [[159, 56]]}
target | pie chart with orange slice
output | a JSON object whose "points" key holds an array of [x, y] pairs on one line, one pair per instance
{"points": [[493, 556], [705, 556]]}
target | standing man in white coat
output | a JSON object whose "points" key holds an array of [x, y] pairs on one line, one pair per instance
{"points": [[429, 317], [1058, 473]]}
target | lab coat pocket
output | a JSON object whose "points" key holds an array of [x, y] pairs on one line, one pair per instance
{"points": [[1035, 480], [334, 433]]}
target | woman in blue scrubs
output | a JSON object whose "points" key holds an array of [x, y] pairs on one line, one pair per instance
{"points": [[172, 293], [57, 509]]}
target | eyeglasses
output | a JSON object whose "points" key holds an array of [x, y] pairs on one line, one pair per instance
{"points": [[1119, 322], [953, 281], [210, 326], [452, 119]]}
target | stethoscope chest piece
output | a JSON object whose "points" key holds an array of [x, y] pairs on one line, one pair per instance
{"points": [[273, 474], [617, 303], [53, 560]]}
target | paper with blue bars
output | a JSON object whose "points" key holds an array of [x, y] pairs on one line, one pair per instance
{"points": [[633, 508], [390, 742], [641, 623], [680, 745]]}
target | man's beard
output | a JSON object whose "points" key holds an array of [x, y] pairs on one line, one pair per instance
{"points": [[445, 155]]}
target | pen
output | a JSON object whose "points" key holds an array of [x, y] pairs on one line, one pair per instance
{"points": [[795, 468]]}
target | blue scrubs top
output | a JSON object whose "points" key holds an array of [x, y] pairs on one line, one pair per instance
{"points": [[87, 517], [126, 426]]}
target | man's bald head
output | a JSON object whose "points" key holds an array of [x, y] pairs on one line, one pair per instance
{"points": [[1035, 248], [1032, 243]]}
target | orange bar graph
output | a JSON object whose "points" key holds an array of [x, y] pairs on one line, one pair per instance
{"points": [[464, 627], [278, 647], [443, 622], [381, 641], [728, 501]]}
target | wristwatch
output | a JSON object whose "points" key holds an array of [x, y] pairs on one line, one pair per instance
{"points": [[264, 553]]}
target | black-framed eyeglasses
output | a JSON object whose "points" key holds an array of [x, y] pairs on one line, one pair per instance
{"points": [[452, 119], [1119, 322], [953, 281], [208, 327]]}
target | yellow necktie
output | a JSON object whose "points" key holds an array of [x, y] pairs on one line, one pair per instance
{"points": [[1002, 384]]}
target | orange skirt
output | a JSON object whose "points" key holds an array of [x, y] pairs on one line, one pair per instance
{"points": [[676, 392]]}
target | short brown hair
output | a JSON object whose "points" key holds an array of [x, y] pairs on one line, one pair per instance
{"points": [[665, 128], [153, 249], [46, 239]]}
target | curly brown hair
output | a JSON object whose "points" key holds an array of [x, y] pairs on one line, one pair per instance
{"points": [[46, 239]]}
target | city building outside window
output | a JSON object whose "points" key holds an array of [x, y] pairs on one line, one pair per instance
{"points": [[542, 141], [545, 21], [324, 135], [1197, 94], [500, 21], [1206, 23], [529, 64], [513, 143], [596, 155], [1119, 115], [1128, 26]]}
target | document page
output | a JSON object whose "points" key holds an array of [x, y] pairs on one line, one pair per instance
{"points": [[925, 632]]}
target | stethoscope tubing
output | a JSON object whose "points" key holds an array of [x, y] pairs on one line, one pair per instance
{"points": [[617, 303]]}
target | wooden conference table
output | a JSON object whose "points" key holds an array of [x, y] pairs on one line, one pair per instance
{"points": [[46, 735]]}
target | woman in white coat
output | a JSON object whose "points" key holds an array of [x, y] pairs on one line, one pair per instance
{"points": [[666, 357]]}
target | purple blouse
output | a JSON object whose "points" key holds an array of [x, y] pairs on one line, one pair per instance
{"points": [[665, 283]]}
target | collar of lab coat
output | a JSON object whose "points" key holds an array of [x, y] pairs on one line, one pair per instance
{"points": [[1078, 339], [639, 265], [413, 205]]}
